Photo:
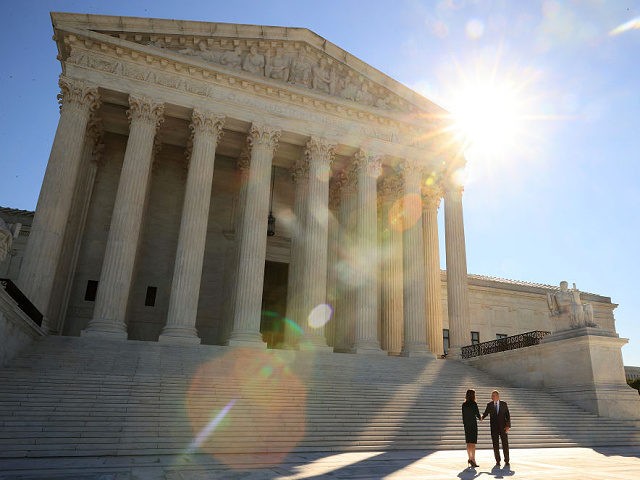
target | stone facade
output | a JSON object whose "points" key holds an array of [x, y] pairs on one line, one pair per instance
{"points": [[179, 130]]}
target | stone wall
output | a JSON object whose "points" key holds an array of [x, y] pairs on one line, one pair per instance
{"points": [[583, 366], [16, 329]]}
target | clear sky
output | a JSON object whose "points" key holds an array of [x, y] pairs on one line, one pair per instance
{"points": [[551, 91]]}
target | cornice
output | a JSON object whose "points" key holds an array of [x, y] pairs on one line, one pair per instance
{"points": [[78, 44], [141, 27]]}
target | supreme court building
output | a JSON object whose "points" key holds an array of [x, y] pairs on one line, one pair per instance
{"points": [[251, 185]]}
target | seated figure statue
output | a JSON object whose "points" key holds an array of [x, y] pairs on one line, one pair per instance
{"points": [[568, 310]]}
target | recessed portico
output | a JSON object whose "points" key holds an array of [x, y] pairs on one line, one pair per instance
{"points": [[195, 126]]}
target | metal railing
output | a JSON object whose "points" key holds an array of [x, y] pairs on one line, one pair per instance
{"points": [[503, 344], [21, 299]]}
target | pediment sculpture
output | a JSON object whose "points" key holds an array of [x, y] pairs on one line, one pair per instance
{"points": [[567, 309], [291, 63]]}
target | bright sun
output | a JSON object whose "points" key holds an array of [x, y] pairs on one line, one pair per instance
{"points": [[489, 119]]}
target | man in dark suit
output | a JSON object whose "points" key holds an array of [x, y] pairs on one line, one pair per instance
{"points": [[500, 421]]}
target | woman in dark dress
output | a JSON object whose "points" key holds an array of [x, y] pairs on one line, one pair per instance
{"points": [[470, 413]]}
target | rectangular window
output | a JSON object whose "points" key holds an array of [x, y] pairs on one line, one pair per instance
{"points": [[475, 338], [501, 335], [150, 299], [445, 340], [90, 292]]}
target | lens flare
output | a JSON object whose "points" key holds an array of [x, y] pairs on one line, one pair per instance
{"points": [[257, 404], [211, 426], [405, 212], [625, 27], [320, 315]]}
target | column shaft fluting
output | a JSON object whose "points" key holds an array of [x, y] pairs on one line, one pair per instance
{"points": [[333, 259], [253, 240], [366, 337], [391, 266], [319, 155], [457, 290], [91, 156], [415, 343], [346, 268], [431, 196], [242, 165], [187, 274], [114, 286], [295, 287], [42, 254]]}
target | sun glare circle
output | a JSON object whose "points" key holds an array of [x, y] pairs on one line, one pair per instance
{"points": [[488, 117]]}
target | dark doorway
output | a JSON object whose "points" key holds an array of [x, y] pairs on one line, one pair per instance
{"points": [[274, 303]]}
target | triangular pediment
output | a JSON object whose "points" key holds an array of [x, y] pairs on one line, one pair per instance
{"points": [[293, 57]]}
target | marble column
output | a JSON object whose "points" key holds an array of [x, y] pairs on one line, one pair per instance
{"points": [[346, 268], [333, 259], [431, 196], [457, 290], [295, 288], [368, 170], [109, 313], [319, 155], [253, 239], [91, 158], [242, 164], [187, 274], [37, 273], [415, 328], [391, 266]]}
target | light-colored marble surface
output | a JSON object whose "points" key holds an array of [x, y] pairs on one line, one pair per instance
{"points": [[530, 464]]}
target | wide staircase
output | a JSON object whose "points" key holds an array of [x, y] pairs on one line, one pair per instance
{"points": [[72, 397]]}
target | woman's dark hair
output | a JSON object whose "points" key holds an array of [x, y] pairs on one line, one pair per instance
{"points": [[470, 396]]}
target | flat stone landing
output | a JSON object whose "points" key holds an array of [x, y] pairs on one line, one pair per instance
{"points": [[621, 463]]}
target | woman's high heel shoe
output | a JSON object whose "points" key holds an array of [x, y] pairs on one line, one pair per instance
{"points": [[473, 464]]}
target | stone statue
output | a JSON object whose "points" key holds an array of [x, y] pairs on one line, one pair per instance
{"points": [[568, 310], [254, 62], [300, 73], [363, 96], [278, 66], [7, 235], [321, 79], [349, 89], [232, 58]]}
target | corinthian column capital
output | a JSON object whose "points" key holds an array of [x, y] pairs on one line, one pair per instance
{"points": [[95, 133], [77, 93], [264, 135], [208, 123], [390, 188], [431, 196], [452, 186], [368, 163], [319, 149], [146, 110], [244, 160], [300, 169]]}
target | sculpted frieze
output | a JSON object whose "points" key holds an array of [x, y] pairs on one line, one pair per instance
{"points": [[290, 63], [162, 74]]}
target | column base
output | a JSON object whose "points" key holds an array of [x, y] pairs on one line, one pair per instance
{"points": [[106, 334], [419, 353], [250, 340], [368, 348], [179, 336], [311, 347], [418, 350]]}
